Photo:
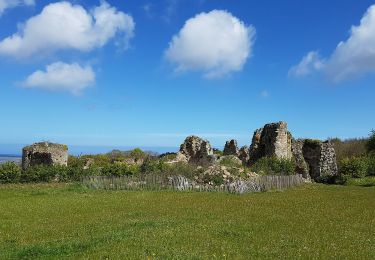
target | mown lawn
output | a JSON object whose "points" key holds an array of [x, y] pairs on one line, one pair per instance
{"points": [[68, 221]]}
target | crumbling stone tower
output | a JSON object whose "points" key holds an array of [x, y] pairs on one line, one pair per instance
{"points": [[44, 153]]}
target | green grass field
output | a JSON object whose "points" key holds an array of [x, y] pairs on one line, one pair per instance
{"points": [[68, 221]]}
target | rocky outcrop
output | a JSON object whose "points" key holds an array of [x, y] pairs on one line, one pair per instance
{"points": [[244, 154], [196, 150], [271, 140], [231, 148], [315, 158], [44, 153]]}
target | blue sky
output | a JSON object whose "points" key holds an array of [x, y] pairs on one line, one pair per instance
{"points": [[152, 74]]}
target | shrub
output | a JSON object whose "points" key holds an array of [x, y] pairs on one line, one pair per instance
{"points": [[370, 145], [355, 167], [119, 169], [181, 168], [44, 173], [10, 172], [230, 161], [371, 165], [153, 166], [274, 166], [336, 179]]}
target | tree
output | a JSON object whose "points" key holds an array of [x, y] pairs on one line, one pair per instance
{"points": [[370, 146]]}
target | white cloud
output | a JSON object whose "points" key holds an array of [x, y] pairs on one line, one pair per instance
{"points": [[6, 4], [352, 58], [216, 43], [60, 76], [62, 26], [309, 64]]}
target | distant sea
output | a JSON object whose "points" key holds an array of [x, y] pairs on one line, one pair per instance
{"points": [[13, 154], [9, 158]]}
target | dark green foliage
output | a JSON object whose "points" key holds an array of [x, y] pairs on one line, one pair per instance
{"points": [[118, 169], [213, 179], [274, 166], [370, 145], [10, 172], [337, 179], [371, 165], [153, 166], [44, 173], [355, 167]]}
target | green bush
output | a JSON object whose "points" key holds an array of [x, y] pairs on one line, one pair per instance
{"points": [[10, 172], [230, 161], [119, 169], [181, 168], [44, 173], [336, 179], [370, 145], [355, 167], [274, 166], [153, 166], [371, 165]]}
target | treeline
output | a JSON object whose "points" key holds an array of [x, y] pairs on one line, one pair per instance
{"points": [[355, 157]]}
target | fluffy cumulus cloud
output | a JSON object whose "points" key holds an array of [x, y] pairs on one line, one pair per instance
{"points": [[352, 58], [215, 43], [62, 26], [6, 4], [60, 76]]}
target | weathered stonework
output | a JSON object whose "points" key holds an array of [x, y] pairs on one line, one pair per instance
{"points": [[231, 148], [44, 153], [271, 140], [244, 154], [315, 158], [301, 165], [196, 150]]}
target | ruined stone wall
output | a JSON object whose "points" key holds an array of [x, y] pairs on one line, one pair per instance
{"points": [[328, 159], [197, 151], [315, 157], [271, 140], [244, 154], [301, 165], [44, 153]]}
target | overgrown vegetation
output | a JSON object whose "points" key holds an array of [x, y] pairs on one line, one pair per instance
{"points": [[274, 166], [355, 158]]}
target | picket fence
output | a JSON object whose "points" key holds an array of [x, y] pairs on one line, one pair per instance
{"points": [[180, 183]]}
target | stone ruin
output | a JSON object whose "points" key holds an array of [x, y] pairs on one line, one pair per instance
{"points": [[244, 154], [44, 153], [314, 158], [196, 150], [231, 148], [271, 140]]}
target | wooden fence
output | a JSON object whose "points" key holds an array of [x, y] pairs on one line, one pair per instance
{"points": [[165, 182]]}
